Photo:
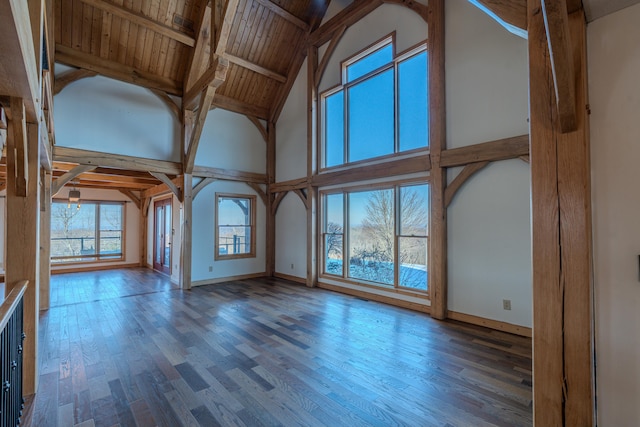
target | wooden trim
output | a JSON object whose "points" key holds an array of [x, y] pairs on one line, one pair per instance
{"points": [[556, 21], [252, 225], [388, 169], [346, 17], [229, 174], [166, 99], [227, 279], [11, 302], [290, 278], [511, 14], [169, 183], [142, 21], [290, 185], [459, 180], [201, 186], [437, 274], [65, 79], [490, 323], [261, 128], [255, 67], [64, 270], [375, 297], [335, 39], [501, 149], [418, 8], [118, 161], [125, 73], [255, 187], [68, 177], [284, 14], [276, 202], [135, 199]]}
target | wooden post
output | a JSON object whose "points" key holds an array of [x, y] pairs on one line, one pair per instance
{"points": [[45, 239], [561, 237], [23, 225], [144, 204], [312, 129], [186, 245], [438, 178], [271, 217]]}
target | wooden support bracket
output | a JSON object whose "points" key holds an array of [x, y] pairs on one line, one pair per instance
{"points": [[169, 183], [57, 185], [135, 199], [200, 186], [459, 180]]}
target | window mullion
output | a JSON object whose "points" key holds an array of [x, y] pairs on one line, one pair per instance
{"points": [[346, 255], [97, 213]]}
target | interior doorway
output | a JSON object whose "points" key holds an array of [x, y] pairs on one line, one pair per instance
{"points": [[162, 236]]}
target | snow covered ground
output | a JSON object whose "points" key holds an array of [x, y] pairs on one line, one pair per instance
{"points": [[411, 275]]}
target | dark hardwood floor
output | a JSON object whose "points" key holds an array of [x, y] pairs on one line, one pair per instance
{"points": [[127, 348]]}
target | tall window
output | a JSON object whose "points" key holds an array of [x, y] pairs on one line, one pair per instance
{"points": [[380, 107], [91, 232], [235, 224], [384, 231]]}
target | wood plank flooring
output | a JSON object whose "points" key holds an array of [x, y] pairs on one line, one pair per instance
{"points": [[265, 352]]}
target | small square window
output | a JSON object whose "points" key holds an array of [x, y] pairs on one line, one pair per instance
{"points": [[235, 226]]}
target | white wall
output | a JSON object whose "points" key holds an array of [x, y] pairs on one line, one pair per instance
{"points": [[291, 237], [613, 52], [489, 240], [132, 224], [107, 115]]}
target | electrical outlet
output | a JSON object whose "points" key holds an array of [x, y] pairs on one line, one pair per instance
{"points": [[292, 266], [506, 304], [210, 268]]}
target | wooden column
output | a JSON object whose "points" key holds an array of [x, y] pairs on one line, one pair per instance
{"points": [[186, 246], [438, 178], [144, 216], [561, 236], [271, 217], [45, 239], [312, 220], [23, 225]]}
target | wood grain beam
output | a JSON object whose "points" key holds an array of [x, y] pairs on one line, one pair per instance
{"points": [[114, 70], [263, 195], [347, 17], [18, 66], [417, 164], [303, 197], [201, 186], [229, 174], [556, 22], [169, 183], [166, 99], [222, 39], [459, 180], [142, 21], [159, 189], [240, 107], [220, 73], [17, 135], [214, 76], [95, 158], [276, 201], [511, 14], [65, 79], [290, 185], [284, 14], [57, 185], [255, 68], [501, 149], [135, 199], [260, 126], [197, 55]]}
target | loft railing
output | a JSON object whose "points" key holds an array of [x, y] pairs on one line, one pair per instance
{"points": [[11, 338]]}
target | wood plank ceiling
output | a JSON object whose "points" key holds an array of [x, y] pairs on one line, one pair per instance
{"points": [[151, 43]]}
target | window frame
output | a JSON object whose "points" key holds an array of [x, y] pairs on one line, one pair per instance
{"points": [[95, 258], [344, 86], [252, 226], [396, 186]]}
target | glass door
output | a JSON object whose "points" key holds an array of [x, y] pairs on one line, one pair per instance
{"points": [[162, 236]]}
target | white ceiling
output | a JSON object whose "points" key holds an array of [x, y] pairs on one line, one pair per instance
{"points": [[595, 9]]}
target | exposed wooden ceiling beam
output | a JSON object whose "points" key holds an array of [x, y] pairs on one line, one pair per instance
{"points": [[71, 76], [285, 14], [197, 56], [229, 174], [511, 14], [556, 22], [125, 73], [18, 66], [142, 20], [212, 76], [239, 107], [86, 157], [255, 68], [230, 10]]}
